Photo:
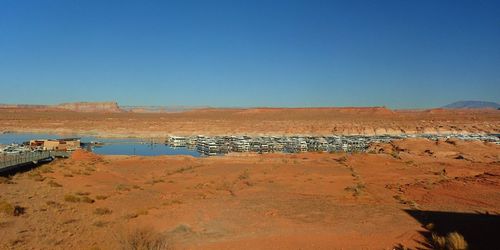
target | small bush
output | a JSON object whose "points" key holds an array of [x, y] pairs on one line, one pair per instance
{"points": [[452, 241], [182, 229], [144, 239], [35, 175], [136, 214], [54, 184], [154, 181], [46, 169], [69, 221], [130, 216], [10, 210], [395, 155], [101, 197], [455, 241], [245, 175], [51, 203], [102, 211], [6, 208], [122, 187], [90, 169], [100, 223], [86, 199], [82, 193], [171, 202], [6, 180], [356, 189], [71, 198]]}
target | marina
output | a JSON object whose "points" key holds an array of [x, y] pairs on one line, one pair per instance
{"points": [[19, 143]]}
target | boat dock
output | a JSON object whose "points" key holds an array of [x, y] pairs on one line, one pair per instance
{"points": [[11, 162]]}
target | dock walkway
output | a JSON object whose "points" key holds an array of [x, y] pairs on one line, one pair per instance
{"points": [[9, 162]]}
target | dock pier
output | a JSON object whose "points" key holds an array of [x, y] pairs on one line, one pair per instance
{"points": [[11, 162]]}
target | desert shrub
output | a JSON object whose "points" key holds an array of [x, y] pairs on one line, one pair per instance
{"points": [[51, 203], [342, 159], [35, 175], [181, 170], [54, 184], [136, 214], [101, 197], [102, 211], [100, 223], [11, 210], [86, 199], [452, 241], [90, 169], [76, 171], [452, 142], [6, 208], [46, 169], [122, 187], [245, 175], [6, 180], [356, 189], [172, 202], [430, 226], [401, 247], [82, 193], [154, 181], [71, 198], [182, 229], [142, 212], [395, 154], [69, 221], [130, 216], [455, 241], [412, 204], [143, 239]]}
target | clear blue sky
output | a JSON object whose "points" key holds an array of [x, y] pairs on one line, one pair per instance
{"points": [[401, 53]]}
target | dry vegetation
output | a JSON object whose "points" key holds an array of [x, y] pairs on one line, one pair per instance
{"points": [[452, 241], [143, 239]]}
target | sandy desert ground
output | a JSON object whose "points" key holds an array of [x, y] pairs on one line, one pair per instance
{"points": [[396, 195], [256, 121]]}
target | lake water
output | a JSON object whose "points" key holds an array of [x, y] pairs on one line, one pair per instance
{"points": [[110, 147]]}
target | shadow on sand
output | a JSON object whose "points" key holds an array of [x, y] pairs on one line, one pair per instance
{"points": [[480, 230]]}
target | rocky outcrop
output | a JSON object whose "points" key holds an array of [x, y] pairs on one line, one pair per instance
{"points": [[106, 107]]}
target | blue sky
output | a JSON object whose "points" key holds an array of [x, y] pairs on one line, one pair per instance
{"points": [[401, 54]]}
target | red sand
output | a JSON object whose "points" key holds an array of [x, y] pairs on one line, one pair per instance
{"points": [[271, 201]]}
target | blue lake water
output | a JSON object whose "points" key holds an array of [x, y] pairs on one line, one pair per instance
{"points": [[110, 147]]}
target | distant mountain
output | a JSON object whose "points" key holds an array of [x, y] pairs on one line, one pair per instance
{"points": [[107, 107], [160, 109], [472, 105], [90, 106]]}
